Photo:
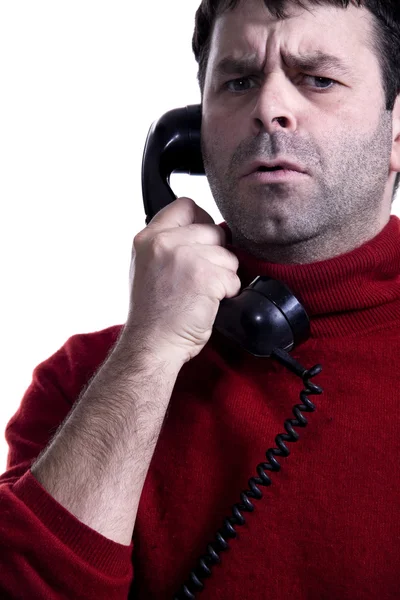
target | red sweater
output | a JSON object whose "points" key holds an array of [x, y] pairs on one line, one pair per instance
{"points": [[329, 525]]}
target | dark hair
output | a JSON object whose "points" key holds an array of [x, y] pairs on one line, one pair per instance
{"points": [[385, 39]]}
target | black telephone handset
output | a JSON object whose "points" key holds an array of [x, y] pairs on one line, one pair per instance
{"points": [[265, 319]]}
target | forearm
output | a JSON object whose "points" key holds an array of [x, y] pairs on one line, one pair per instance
{"points": [[97, 463]]}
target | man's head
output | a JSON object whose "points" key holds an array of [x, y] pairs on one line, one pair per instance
{"points": [[263, 99]]}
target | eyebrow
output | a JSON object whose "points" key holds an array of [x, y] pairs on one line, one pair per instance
{"points": [[307, 62]]}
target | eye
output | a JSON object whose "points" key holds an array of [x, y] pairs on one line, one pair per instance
{"points": [[323, 79], [244, 84], [239, 85]]}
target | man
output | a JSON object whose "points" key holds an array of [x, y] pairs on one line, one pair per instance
{"points": [[169, 419]]}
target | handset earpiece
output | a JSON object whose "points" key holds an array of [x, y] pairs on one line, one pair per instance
{"points": [[173, 146]]}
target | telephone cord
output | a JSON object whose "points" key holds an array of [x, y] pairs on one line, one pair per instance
{"points": [[212, 557]]}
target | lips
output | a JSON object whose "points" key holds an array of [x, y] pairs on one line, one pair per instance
{"points": [[262, 165]]}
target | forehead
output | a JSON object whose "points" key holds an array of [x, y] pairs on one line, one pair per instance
{"points": [[251, 30]]}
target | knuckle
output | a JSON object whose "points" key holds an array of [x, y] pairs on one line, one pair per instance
{"points": [[138, 239], [186, 200], [160, 242], [231, 260], [232, 278], [234, 261]]}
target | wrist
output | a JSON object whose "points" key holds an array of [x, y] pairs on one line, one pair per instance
{"points": [[147, 352]]}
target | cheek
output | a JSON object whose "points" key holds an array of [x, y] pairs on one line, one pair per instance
{"points": [[221, 134]]}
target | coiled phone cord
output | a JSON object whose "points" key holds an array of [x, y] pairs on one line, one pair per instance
{"points": [[207, 561]]}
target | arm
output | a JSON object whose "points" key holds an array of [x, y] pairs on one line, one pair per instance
{"points": [[44, 548], [96, 465], [76, 507]]}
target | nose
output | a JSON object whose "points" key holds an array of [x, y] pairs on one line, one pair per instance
{"points": [[274, 106]]}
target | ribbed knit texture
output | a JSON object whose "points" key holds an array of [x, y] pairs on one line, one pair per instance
{"points": [[327, 528]]}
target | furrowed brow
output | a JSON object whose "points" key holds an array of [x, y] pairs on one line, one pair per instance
{"points": [[318, 61], [240, 66]]}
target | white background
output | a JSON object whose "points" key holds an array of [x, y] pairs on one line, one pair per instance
{"points": [[81, 82]]}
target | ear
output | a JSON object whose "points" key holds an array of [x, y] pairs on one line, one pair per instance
{"points": [[395, 156]]}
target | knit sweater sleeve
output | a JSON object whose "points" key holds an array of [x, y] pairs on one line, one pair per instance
{"points": [[46, 552]]}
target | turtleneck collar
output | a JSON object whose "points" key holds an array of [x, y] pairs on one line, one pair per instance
{"points": [[350, 293]]}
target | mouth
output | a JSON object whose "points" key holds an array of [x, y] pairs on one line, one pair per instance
{"points": [[263, 169], [280, 163], [265, 174]]}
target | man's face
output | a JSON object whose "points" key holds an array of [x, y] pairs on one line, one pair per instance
{"points": [[331, 120]]}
